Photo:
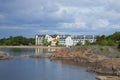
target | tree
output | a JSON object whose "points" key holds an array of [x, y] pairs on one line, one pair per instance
{"points": [[110, 40], [115, 36], [119, 45], [49, 43], [87, 43], [18, 40], [46, 43], [103, 42], [79, 43], [57, 43]]}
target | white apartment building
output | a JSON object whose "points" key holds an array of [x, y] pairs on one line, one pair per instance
{"points": [[65, 40]]}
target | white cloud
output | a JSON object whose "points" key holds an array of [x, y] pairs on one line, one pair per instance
{"points": [[116, 27], [81, 3], [45, 31], [75, 25], [75, 16], [100, 23], [51, 32], [112, 15]]}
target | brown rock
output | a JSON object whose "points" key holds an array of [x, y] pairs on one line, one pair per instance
{"points": [[107, 78], [111, 63], [4, 56], [100, 78]]}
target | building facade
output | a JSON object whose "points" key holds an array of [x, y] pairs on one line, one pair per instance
{"points": [[64, 40]]}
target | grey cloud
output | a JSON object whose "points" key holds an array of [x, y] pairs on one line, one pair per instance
{"points": [[83, 3], [49, 14]]}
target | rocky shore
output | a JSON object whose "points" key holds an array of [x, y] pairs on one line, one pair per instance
{"points": [[4, 56], [96, 63], [77, 54], [107, 78], [100, 64]]}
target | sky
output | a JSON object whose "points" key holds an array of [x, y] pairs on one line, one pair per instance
{"points": [[30, 17]]}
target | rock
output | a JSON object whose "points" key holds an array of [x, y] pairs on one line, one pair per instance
{"points": [[4, 56], [111, 63], [106, 67], [24, 56], [107, 78], [100, 78], [3, 53], [98, 63], [77, 54]]}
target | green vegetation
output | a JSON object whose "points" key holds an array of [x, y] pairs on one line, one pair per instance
{"points": [[119, 45], [57, 43], [87, 43], [110, 40], [18, 40], [46, 43], [117, 56], [79, 43]]}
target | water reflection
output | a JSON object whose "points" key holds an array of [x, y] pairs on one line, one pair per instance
{"points": [[27, 51], [44, 50], [41, 69], [18, 51]]}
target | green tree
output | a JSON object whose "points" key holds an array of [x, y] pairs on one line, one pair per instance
{"points": [[115, 36], [57, 43], [87, 43], [119, 45], [110, 42], [49, 43], [104, 42], [18, 40], [79, 43], [46, 43]]}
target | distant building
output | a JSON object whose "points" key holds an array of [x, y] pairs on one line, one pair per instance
{"points": [[64, 40], [68, 41]]}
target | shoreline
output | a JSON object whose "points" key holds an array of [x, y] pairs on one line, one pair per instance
{"points": [[95, 63], [31, 47]]}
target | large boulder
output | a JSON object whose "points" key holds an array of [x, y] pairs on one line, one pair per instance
{"points": [[109, 66], [77, 54], [111, 63]]}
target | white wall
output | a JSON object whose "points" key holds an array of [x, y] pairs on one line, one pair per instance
{"points": [[68, 41]]}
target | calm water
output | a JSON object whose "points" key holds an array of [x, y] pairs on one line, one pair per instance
{"points": [[21, 51], [40, 69]]}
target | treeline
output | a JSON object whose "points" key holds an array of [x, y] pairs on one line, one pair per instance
{"points": [[18, 40], [110, 40]]}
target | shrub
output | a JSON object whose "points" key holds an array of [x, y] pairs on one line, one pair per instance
{"points": [[119, 45], [79, 43], [87, 43]]}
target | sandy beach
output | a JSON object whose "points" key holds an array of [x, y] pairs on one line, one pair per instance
{"points": [[29, 47]]}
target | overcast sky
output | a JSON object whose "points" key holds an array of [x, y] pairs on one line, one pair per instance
{"points": [[30, 17]]}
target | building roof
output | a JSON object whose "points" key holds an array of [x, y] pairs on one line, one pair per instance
{"points": [[78, 37], [41, 35], [72, 36]]}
